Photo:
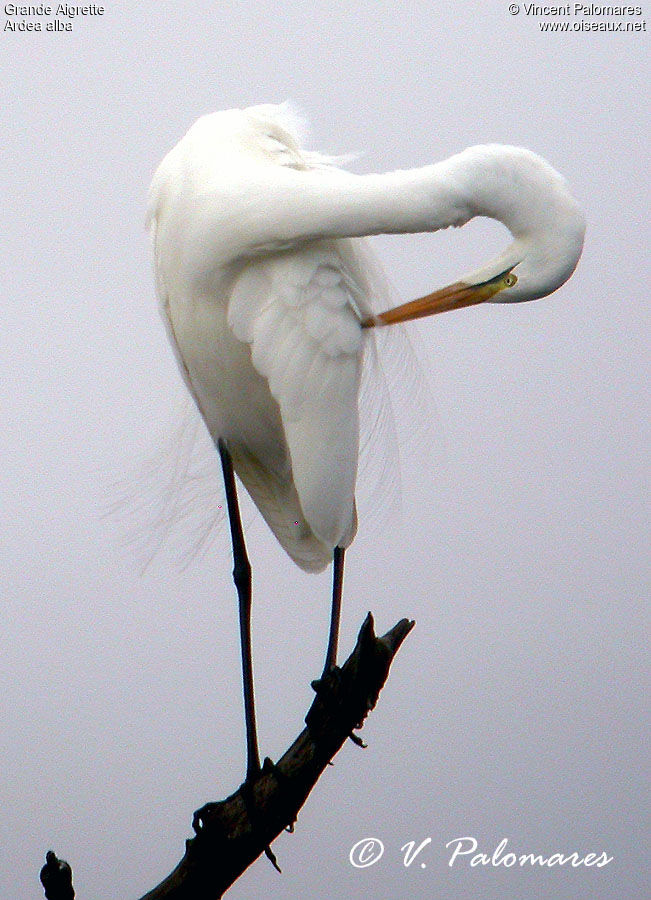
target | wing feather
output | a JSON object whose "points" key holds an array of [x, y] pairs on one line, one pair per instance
{"points": [[306, 340]]}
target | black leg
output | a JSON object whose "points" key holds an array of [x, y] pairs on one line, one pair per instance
{"points": [[242, 579], [337, 586]]}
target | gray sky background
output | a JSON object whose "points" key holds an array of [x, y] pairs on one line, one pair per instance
{"points": [[515, 708]]}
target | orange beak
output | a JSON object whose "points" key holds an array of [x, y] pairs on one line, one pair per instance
{"points": [[454, 296]]}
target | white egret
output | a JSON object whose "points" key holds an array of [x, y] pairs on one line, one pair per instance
{"points": [[266, 299]]}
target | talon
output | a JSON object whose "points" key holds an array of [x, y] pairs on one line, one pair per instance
{"points": [[357, 741], [328, 682], [271, 856], [248, 798]]}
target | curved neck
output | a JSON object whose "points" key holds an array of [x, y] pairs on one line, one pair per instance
{"points": [[266, 209], [488, 181]]}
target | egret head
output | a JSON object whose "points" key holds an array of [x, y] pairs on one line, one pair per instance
{"points": [[538, 261], [521, 190]]}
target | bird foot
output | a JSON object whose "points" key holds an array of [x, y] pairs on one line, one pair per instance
{"points": [[332, 696], [270, 768], [202, 817], [207, 814], [248, 796], [328, 685]]}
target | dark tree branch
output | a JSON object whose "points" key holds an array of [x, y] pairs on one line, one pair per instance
{"points": [[56, 878], [232, 833]]}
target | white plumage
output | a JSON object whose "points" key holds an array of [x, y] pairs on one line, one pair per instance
{"points": [[270, 346], [264, 294]]}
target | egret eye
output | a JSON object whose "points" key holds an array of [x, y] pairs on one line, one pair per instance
{"points": [[510, 279]]}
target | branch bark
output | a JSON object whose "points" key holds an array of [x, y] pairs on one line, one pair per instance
{"points": [[231, 834], [56, 878]]}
